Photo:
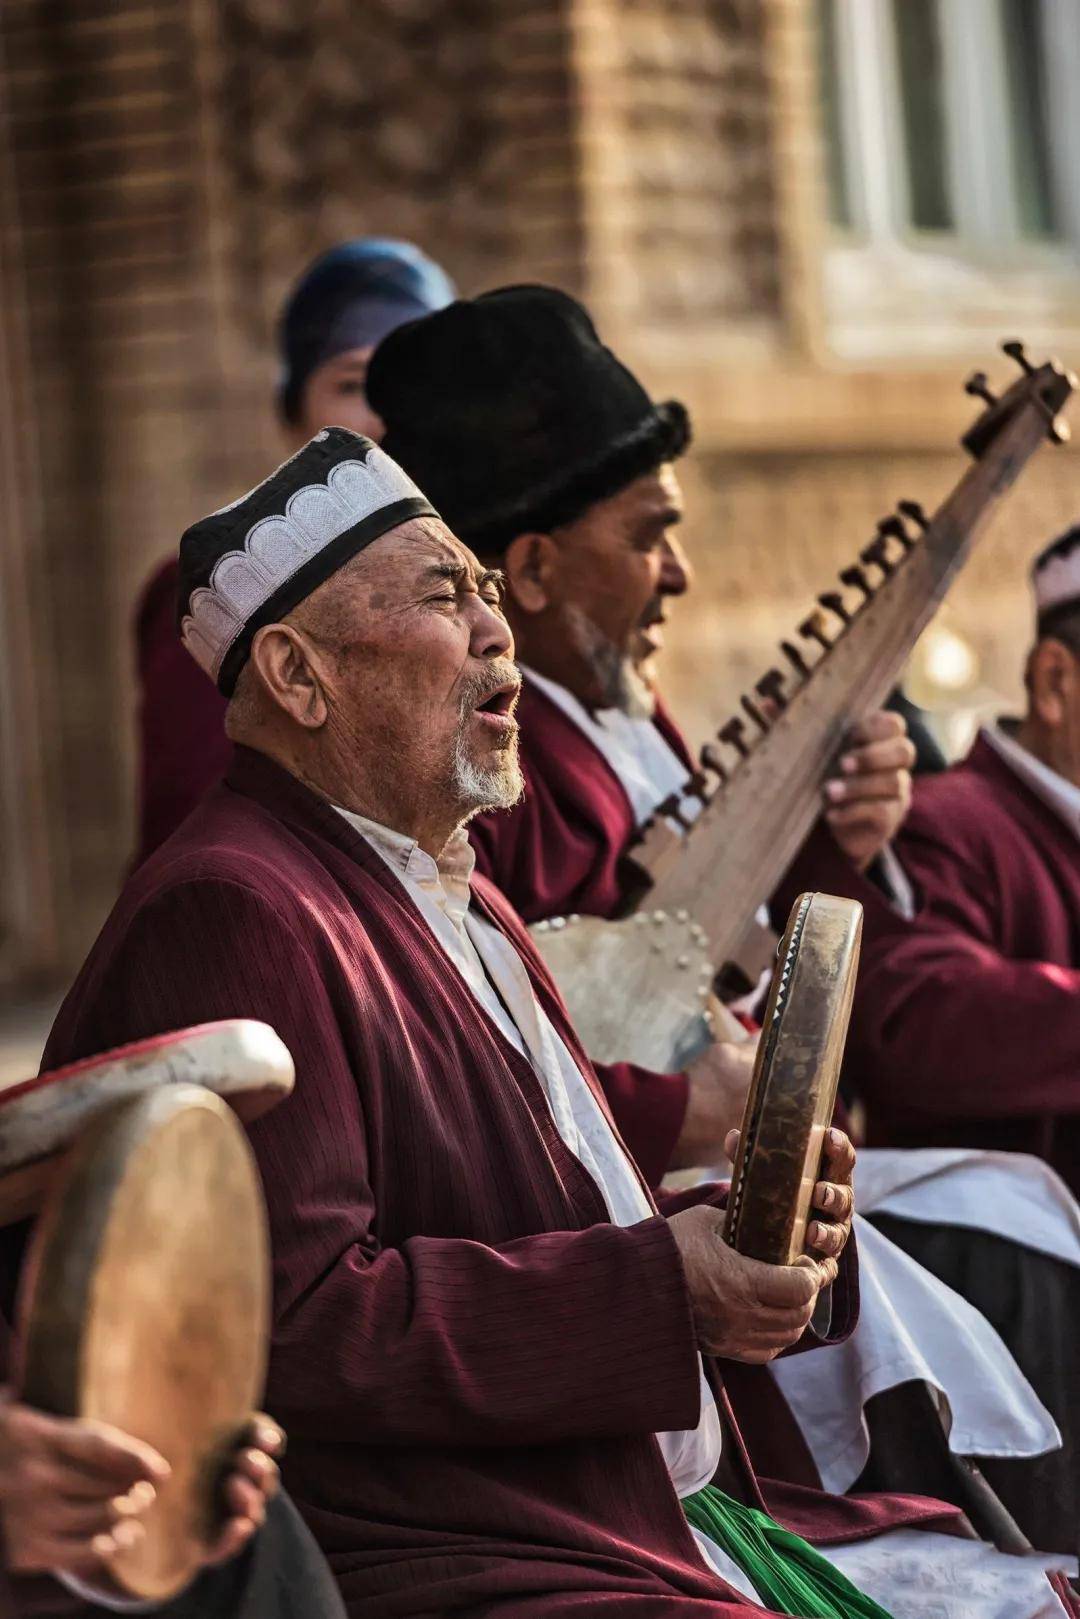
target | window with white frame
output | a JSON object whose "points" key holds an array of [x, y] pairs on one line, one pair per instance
{"points": [[952, 144]]}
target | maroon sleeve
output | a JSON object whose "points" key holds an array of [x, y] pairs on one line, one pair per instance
{"points": [[943, 1019], [183, 749], [437, 1341], [648, 1110]]}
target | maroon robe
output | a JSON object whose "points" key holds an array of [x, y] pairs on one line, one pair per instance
{"points": [[182, 745], [459, 1349], [966, 1029]]}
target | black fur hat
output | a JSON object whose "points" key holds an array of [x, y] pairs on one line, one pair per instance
{"points": [[511, 415]]}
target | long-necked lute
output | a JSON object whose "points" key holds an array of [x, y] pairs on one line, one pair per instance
{"points": [[638, 988]]}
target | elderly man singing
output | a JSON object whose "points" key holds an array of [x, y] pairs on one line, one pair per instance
{"points": [[487, 1341]]}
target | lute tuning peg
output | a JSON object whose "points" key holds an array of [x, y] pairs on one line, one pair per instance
{"points": [[912, 509], [856, 578], [894, 528], [795, 658], [712, 759], [877, 551], [750, 708], [834, 602], [672, 807], [732, 734], [771, 688], [978, 384], [815, 628], [1015, 350]]}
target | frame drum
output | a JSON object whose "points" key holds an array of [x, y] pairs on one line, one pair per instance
{"points": [[146, 1305], [793, 1091]]}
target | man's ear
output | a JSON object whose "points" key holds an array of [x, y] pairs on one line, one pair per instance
{"points": [[284, 668], [1052, 676], [531, 565]]}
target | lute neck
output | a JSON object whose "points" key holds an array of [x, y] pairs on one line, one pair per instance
{"points": [[731, 858]]}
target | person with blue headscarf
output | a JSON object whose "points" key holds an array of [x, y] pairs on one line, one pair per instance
{"points": [[343, 305], [338, 313]]}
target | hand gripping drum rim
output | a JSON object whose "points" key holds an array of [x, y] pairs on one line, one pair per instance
{"points": [[796, 1074]]}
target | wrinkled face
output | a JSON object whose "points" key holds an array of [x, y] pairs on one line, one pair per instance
{"points": [[420, 681], [333, 396], [617, 566]]}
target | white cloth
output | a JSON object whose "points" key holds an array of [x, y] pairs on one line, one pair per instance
{"points": [[912, 1328], [1029, 1203], [918, 1574], [1062, 796], [495, 975]]}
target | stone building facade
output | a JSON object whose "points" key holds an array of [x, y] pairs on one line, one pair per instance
{"points": [[166, 167]]}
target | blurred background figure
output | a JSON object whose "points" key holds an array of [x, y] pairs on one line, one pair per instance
{"points": [[967, 1024], [339, 310]]}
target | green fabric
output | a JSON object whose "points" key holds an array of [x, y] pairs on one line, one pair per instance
{"points": [[788, 1574]]}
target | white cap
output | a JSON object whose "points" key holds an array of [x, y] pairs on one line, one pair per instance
{"points": [[1055, 573]]}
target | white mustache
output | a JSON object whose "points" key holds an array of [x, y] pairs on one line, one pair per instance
{"points": [[496, 677]]}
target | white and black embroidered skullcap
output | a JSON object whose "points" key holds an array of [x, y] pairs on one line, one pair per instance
{"points": [[254, 561], [1055, 577]]}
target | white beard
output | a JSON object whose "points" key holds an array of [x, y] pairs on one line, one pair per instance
{"points": [[616, 673], [482, 787]]}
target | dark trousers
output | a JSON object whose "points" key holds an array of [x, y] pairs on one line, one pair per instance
{"points": [[282, 1574]]}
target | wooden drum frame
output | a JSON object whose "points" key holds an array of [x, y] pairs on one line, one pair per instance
{"points": [[796, 1073]]}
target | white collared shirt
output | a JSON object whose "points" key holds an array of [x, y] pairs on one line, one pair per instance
{"points": [[1058, 794], [647, 767], [495, 975]]}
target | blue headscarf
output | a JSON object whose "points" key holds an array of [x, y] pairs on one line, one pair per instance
{"points": [[350, 298]]}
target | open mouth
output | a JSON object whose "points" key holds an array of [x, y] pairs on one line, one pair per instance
{"points": [[500, 702], [497, 707]]}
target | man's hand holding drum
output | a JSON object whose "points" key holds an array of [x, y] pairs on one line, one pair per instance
{"points": [[743, 1309], [72, 1493]]}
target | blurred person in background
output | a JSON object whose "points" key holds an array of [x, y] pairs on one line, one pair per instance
{"points": [[339, 310], [967, 1021], [969, 1028]]}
